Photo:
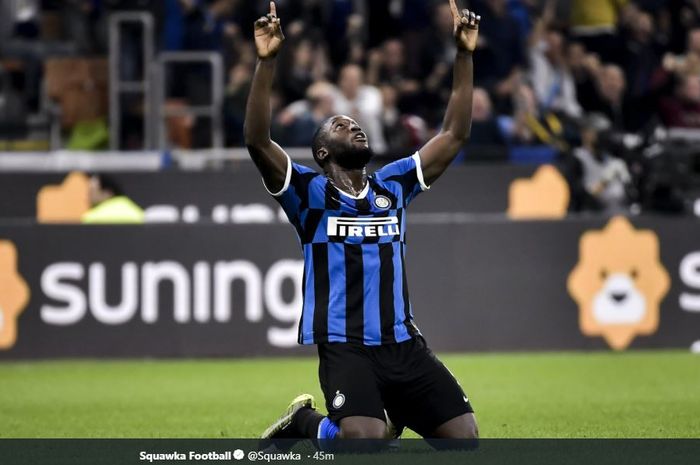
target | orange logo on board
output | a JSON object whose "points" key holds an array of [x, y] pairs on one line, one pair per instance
{"points": [[14, 294], [619, 283], [66, 202], [544, 196]]}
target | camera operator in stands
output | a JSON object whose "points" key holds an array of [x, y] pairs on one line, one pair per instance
{"points": [[603, 181]]}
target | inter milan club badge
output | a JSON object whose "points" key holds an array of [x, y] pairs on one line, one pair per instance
{"points": [[338, 400], [382, 202]]}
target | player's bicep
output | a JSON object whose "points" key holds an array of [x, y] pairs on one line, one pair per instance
{"points": [[437, 155], [274, 165], [294, 193]]}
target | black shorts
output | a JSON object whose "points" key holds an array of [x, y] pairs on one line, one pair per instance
{"points": [[406, 379]]}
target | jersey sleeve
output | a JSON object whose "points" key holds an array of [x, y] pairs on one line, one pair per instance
{"points": [[405, 174], [294, 193]]}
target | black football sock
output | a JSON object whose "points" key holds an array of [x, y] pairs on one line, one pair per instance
{"points": [[306, 422]]}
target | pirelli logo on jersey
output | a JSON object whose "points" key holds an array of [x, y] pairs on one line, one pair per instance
{"points": [[363, 227]]}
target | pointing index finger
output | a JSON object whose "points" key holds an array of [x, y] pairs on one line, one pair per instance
{"points": [[455, 10], [273, 9]]}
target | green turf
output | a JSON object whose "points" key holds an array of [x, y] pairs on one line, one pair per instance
{"points": [[584, 395]]}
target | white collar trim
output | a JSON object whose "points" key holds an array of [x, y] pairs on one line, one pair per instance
{"points": [[362, 195]]}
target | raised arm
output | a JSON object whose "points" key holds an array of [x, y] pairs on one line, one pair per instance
{"points": [[439, 152], [269, 157]]}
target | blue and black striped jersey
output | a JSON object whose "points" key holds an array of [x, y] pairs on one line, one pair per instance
{"points": [[354, 285]]}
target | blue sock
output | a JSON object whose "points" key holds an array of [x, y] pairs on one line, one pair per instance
{"points": [[327, 429]]}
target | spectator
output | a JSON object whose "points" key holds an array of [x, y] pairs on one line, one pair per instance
{"points": [[683, 16], [530, 126], [584, 69], [485, 129], [300, 120], [305, 64], [594, 23], [387, 66], [433, 64], [205, 27], [174, 14], [689, 62], [26, 19], [523, 11], [611, 100], [606, 179], [439, 43], [626, 112], [415, 20], [109, 205], [403, 133], [344, 28], [683, 110], [361, 102], [500, 52], [642, 54], [554, 85]]}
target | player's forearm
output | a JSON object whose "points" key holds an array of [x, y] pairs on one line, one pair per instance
{"points": [[458, 116], [257, 115]]}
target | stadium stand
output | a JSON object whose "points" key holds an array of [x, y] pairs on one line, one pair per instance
{"points": [[180, 73]]}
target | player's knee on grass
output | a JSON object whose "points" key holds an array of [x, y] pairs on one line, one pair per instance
{"points": [[461, 427], [362, 428]]}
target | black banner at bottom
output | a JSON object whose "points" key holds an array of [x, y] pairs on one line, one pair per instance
{"points": [[404, 452]]}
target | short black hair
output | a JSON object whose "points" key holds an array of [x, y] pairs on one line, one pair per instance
{"points": [[319, 141]]}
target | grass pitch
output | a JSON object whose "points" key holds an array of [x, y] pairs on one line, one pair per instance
{"points": [[562, 395]]}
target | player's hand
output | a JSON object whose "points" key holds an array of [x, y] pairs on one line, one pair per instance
{"points": [[268, 34], [466, 27]]}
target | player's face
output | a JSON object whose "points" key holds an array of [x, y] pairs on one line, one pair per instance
{"points": [[348, 144], [347, 132]]}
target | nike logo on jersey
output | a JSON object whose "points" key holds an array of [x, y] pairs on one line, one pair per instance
{"points": [[363, 227]]}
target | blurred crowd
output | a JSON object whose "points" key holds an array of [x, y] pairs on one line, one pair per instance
{"points": [[554, 78]]}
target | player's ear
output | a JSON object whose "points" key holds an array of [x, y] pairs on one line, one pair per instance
{"points": [[321, 155]]}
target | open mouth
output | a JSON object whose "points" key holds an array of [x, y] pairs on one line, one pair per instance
{"points": [[361, 137]]}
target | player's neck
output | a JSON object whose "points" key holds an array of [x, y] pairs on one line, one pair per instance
{"points": [[350, 181]]}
